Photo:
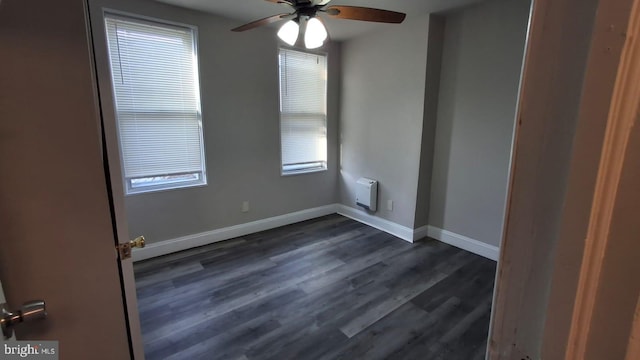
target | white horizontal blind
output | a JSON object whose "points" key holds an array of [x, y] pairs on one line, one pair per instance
{"points": [[155, 79], [303, 110]]}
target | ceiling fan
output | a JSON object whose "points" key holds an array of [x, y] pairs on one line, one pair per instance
{"points": [[306, 13]]}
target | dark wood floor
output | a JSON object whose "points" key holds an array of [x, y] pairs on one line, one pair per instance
{"points": [[328, 288]]}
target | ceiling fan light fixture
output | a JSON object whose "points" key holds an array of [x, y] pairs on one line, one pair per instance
{"points": [[315, 34], [289, 32]]}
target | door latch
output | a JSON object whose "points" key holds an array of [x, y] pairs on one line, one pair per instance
{"points": [[124, 249]]}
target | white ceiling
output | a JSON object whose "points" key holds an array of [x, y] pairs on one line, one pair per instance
{"points": [[248, 10]]}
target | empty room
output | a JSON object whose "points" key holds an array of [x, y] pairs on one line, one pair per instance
{"points": [[319, 179], [310, 196], [306, 179]]}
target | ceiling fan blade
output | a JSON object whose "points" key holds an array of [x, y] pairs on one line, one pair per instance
{"points": [[261, 22], [288, 2], [320, 2], [365, 14]]}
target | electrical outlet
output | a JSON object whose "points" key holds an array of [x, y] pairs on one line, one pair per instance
{"points": [[390, 205], [245, 206]]}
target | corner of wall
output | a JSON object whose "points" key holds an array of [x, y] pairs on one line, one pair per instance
{"points": [[432, 90], [380, 139]]}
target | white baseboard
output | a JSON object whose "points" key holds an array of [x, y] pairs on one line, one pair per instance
{"points": [[462, 242], [420, 232], [390, 227], [403, 232], [209, 237]]}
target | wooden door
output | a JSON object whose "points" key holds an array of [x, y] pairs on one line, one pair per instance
{"points": [[58, 239]]}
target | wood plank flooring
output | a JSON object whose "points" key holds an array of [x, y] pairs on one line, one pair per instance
{"points": [[328, 288]]}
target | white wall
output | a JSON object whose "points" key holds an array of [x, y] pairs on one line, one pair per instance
{"points": [[394, 90], [239, 90], [481, 66], [383, 86]]}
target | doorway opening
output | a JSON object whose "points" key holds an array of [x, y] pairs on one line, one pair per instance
{"points": [[471, 80]]}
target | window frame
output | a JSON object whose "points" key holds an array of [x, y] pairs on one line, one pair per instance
{"points": [[165, 185], [305, 170]]}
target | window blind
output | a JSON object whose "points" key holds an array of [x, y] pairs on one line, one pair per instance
{"points": [[303, 110], [155, 80]]}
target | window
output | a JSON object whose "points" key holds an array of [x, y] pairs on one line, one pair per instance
{"points": [[154, 73], [303, 111]]}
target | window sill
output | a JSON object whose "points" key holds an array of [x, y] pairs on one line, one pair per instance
{"points": [[302, 171], [154, 189]]}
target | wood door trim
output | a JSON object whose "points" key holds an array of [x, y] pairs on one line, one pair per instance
{"points": [[622, 116], [633, 349], [113, 169]]}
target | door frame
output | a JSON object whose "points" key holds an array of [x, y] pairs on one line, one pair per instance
{"points": [[115, 189], [615, 160], [560, 134]]}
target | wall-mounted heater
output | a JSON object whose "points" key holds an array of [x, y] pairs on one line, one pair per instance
{"points": [[367, 193]]}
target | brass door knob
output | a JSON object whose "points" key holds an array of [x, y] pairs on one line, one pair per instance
{"points": [[137, 242], [124, 249]]}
